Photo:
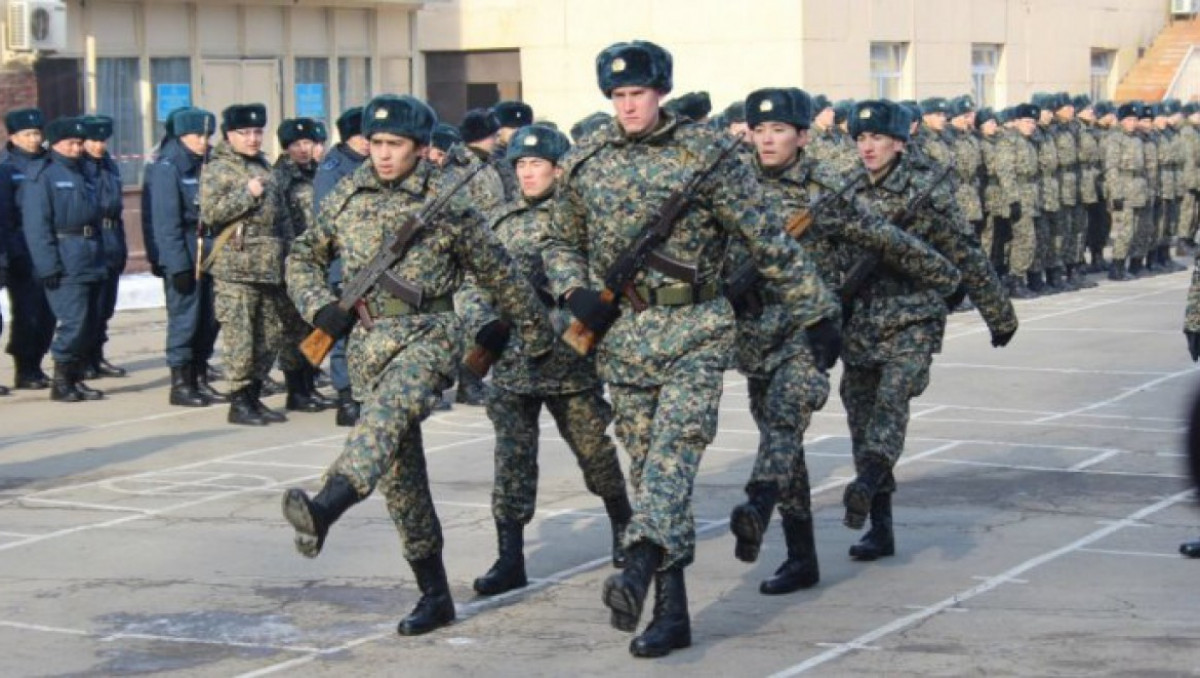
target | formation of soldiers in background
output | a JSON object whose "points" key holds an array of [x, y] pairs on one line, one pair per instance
{"points": [[898, 212]]}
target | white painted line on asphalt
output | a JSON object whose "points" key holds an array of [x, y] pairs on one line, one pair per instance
{"points": [[29, 437], [1055, 424], [1144, 554], [43, 628], [931, 410], [1053, 469], [1007, 581], [274, 464], [1102, 330], [1050, 370], [1098, 459], [963, 596], [1129, 392], [153, 637], [1114, 522], [949, 609], [82, 505], [15, 534]]}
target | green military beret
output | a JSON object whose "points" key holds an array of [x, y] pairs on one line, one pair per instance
{"points": [[880, 116], [634, 64], [349, 123], [934, 105], [294, 129], [537, 141], [693, 105], [788, 105], [65, 128], [404, 116], [243, 116], [99, 127], [24, 118], [188, 120], [444, 136], [513, 113]]}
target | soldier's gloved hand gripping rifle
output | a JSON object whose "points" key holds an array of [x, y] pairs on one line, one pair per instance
{"points": [[619, 281], [318, 344]]}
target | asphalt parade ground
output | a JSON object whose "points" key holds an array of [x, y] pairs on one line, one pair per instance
{"points": [[1042, 501]]}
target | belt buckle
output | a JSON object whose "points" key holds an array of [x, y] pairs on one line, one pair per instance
{"points": [[89, 231]]}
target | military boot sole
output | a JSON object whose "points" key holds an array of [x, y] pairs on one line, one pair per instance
{"points": [[857, 501], [110, 371], [653, 644], [89, 393], [624, 601], [297, 510], [746, 524], [271, 416]]}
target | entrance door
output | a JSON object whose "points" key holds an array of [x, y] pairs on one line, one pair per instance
{"points": [[224, 82]]}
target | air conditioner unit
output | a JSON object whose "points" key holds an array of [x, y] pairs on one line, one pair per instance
{"points": [[1179, 7], [37, 25]]}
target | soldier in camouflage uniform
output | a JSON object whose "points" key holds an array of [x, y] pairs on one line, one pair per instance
{"points": [[664, 365], [566, 383], [1173, 148], [1072, 218], [1046, 274], [787, 381], [825, 143], [1126, 187], [512, 116], [242, 205], [589, 124], [293, 176], [1144, 236], [1001, 198], [399, 365], [1091, 173], [932, 137], [1023, 250], [896, 326], [1191, 330], [1189, 209]]}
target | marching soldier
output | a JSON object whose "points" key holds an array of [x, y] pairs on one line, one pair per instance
{"points": [[664, 365], [566, 383], [895, 327], [932, 136], [1001, 198], [442, 143], [1125, 186], [786, 370], [241, 204], [512, 116], [1025, 272], [401, 363], [1173, 149], [61, 221], [1071, 228], [1144, 235], [967, 159], [102, 171]]}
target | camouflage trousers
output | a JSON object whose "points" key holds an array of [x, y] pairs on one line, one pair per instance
{"points": [[1189, 212], [1143, 233], [249, 317], [385, 449], [1046, 229], [1167, 225], [293, 330], [664, 430], [876, 399], [1022, 249], [581, 419], [1072, 228], [1124, 230], [782, 406]]}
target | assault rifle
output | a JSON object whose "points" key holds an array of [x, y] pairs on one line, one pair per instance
{"points": [[318, 344], [619, 281], [479, 359]]}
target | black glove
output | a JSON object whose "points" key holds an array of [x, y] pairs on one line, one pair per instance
{"points": [[1118, 204], [591, 310], [494, 336], [1193, 339], [157, 271], [184, 282], [1014, 212], [956, 297], [1001, 339], [51, 282], [825, 341], [335, 322]]}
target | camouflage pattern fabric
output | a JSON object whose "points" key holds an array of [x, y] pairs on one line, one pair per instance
{"points": [[1069, 225], [999, 155], [833, 148], [664, 366], [487, 188], [1191, 320], [405, 489], [506, 172], [1125, 182], [1091, 162], [967, 157], [934, 146], [254, 254], [1172, 149], [876, 399], [1189, 180], [1023, 248], [1048, 225], [295, 185], [250, 330], [1144, 233], [581, 419]]}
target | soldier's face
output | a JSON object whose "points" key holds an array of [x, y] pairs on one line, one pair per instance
{"points": [[95, 148], [1145, 124], [359, 144], [301, 151], [824, 119], [736, 128], [961, 122], [246, 141], [935, 121], [877, 151], [28, 140], [318, 151], [393, 156], [1025, 126], [1044, 117], [778, 143], [69, 148], [636, 108], [1129, 123], [536, 176], [988, 128], [1066, 113], [505, 134], [196, 143], [436, 155], [1087, 115]]}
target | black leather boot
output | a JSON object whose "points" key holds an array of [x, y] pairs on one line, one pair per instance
{"points": [[435, 609], [1055, 282], [298, 399], [508, 572], [310, 375], [62, 388], [625, 593], [879, 541], [800, 570], [29, 376], [269, 415], [1017, 289], [619, 514], [347, 409], [470, 388], [1137, 267], [77, 373], [1191, 549], [1077, 276], [311, 518], [1034, 282], [183, 388], [103, 367], [1168, 261], [860, 492], [202, 383], [1099, 265], [748, 521], [671, 627], [242, 409], [1117, 272], [270, 387]]}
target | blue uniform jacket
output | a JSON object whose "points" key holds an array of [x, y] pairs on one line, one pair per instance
{"points": [[173, 183], [106, 177], [340, 161], [14, 167], [61, 217]]}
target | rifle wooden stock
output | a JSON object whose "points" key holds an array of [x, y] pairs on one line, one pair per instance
{"points": [[579, 336], [316, 346], [479, 360]]}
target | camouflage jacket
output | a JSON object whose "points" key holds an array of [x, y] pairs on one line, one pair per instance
{"points": [[1091, 163], [507, 174], [834, 149], [611, 186], [999, 153], [1125, 169], [893, 315], [296, 187], [1191, 319], [487, 188], [1028, 173], [1190, 170], [934, 145], [519, 225], [254, 252], [1153, 164], [355, 220], [842, 231], [1170, 160], [968, 159], [1049, 170], [1066, 146]]}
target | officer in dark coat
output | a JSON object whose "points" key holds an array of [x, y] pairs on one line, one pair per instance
{"points": [[102, 171], [61, 217], [173, 182], [32, 320]]}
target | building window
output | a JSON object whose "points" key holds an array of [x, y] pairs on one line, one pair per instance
{"points": [[312, 88], [1102, 64], [985, 61], [887, 69], [170, 88], [117, 95], [354, 81]]}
